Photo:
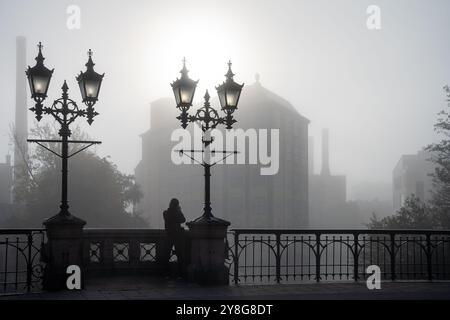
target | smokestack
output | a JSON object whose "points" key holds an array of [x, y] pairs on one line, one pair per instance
{"points": [[325, 153], [21, 120]]}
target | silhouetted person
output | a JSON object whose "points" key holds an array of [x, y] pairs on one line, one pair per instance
{"points": [[173, 218]]}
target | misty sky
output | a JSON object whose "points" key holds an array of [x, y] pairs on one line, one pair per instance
{"points": [[377, 91]]}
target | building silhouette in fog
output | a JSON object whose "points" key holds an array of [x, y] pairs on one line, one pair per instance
{"points": [[411, 176], [328, 194], [239, 193]]}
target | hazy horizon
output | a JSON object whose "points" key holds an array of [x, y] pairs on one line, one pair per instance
{"points": [[378, 91]]}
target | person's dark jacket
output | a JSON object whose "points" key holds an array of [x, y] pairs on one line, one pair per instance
{"points": [[173, 218]]}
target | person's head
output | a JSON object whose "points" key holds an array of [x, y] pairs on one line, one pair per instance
{"points": [[174, 204]]}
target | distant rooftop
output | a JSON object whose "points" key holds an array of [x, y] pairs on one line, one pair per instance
{"points": [[258, 92]]}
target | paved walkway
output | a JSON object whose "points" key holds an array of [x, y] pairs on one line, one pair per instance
{"points": [[151, 288]]}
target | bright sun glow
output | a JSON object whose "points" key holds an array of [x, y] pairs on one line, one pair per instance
{"points": [[207, 48]]}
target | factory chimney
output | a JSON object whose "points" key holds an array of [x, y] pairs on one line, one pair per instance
{"points": [[21, 119]]}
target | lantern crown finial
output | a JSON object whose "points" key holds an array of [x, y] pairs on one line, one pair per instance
{"points": [[90, 64], [64, 87], [40, 58], [207, 96], [184, 71], [230, 73]]}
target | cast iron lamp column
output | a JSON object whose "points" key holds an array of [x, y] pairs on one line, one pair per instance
{"points": [[65, 111], [64, 246], [207, 234]]}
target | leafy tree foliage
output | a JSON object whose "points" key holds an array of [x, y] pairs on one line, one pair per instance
{"points": [[98, 192], [441, 157], [413, 215]]}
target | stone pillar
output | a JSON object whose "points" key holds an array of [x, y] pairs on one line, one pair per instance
{"points": [[208, 251], [64, 247]]}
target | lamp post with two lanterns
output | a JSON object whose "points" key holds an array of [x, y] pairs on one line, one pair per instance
{"points": [[207, 234], [208, 118], [64, 231], [65, 111]]}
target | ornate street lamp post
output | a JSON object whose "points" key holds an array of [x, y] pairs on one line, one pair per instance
{"points": [[208, 118], [207, 234], [65, 111]]}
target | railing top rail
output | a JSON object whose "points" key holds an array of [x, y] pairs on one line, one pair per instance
{"points": [[340, 231], [122, 231], [20, 231]]}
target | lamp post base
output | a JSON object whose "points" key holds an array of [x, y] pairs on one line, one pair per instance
{"points": [[208, 251], [63, 248], [64, 218]]}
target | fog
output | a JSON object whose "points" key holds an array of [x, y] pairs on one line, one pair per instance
{"points": [[378, 91]]}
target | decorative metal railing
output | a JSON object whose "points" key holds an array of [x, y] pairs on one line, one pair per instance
{"points": [[255, 256], [108, 251], [21, 268], [325, 255]]}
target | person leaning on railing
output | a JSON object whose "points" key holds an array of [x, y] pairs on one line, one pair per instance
{"points": [[173, 218]]}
